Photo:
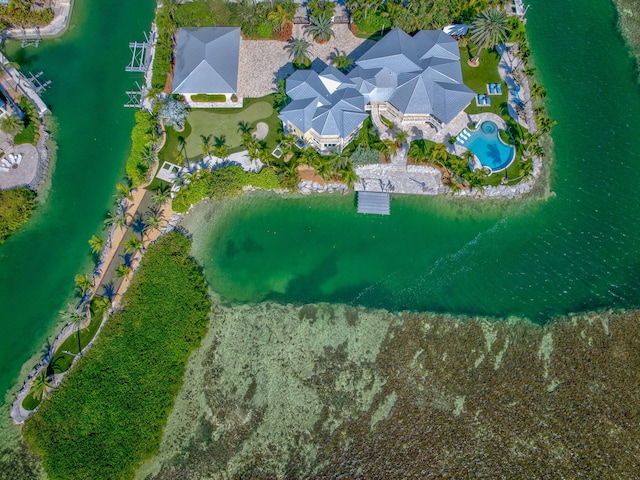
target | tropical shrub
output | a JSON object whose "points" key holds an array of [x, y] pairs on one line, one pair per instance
{"points": [[173, 113], [107, 417], [142, 137], [363, 155], [16, 206], [265, 30], [220, 183]]}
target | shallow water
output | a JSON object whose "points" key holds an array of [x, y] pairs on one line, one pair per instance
{"points": [[578, 250]]}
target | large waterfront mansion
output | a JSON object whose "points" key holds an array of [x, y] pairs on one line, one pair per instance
{"points": [[412, 81]]}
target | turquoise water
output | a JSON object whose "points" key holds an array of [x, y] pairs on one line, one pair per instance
{"points": [[38, 264], [577, 250], [485, 143]]}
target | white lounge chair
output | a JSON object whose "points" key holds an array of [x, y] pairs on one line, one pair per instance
{"points": [[6, 163], [19, 158], [4, 169]]}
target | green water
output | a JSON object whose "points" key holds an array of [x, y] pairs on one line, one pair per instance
{"points": [[576, 251], [37, 265]]}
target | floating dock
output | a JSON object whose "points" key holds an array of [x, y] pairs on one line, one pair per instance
{"points": [[377, 203]]}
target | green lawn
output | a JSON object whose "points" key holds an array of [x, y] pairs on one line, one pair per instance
{"points": [[476, 78], [222, 121]]}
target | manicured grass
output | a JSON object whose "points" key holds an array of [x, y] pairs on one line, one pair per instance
{"points": [[476, 78], [107, 417], [205, 97], [222, 121]]}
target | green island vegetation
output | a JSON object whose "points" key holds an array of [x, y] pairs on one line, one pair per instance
{"points": [[25, 13], [106, 417], [16, 206], [219, 183], [72, 346]]}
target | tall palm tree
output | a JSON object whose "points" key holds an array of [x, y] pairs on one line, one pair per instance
{"points": [[244, 129], [96, 243], [389, 148], [123, 270], [161, 194], [11, 125], [489, 29], [340, 60], [182, 146], [153, 220], [320, 28], [526, 169], [123, 192], [220, 150], [206, 144], [40, 386], [339, 161], [439, 153], [400, 136], [349, 176], [83, 284], [76, 318], [133, 245], [116, 218], [298, 51]]}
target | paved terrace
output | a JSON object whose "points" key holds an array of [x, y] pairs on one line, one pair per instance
{"points": [[264, 62], [23, 174]]}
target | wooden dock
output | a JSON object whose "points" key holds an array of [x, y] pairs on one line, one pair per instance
{"points": [[377, 203]]}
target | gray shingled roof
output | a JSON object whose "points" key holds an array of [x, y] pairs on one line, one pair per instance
{"points": [[207, 60], [418, 75]]}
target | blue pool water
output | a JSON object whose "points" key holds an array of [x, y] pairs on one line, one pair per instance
{"points": [[486, 144]]}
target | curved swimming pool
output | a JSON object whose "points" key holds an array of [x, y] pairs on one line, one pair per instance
{"points": [[486, 145]]}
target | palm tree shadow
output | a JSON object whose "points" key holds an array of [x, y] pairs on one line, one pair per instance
{"points": [[137, 224], [109, 290]]}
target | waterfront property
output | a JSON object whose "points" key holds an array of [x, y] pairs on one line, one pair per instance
{"points": [[207, 64], [412, 81], [487, 146]]}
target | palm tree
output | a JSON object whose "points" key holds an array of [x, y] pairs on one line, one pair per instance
{"points": [[439, 153], [76, 318], [340, 60], [83, 283], [116, 218], [526, 169], [153, 221], [400, 136], [161, 194], [545, 124], [320, 28], [123, 270], [40, 386], [339, 161], [488, 29], [96, 243], [133, 245], [419, 151], [220, 149], [538, 92], [182, 146], [123, 192], [11, 125], [206, 144], [349, 176], [389, 148], [281, 16], [298, 51], [244, 129]]}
